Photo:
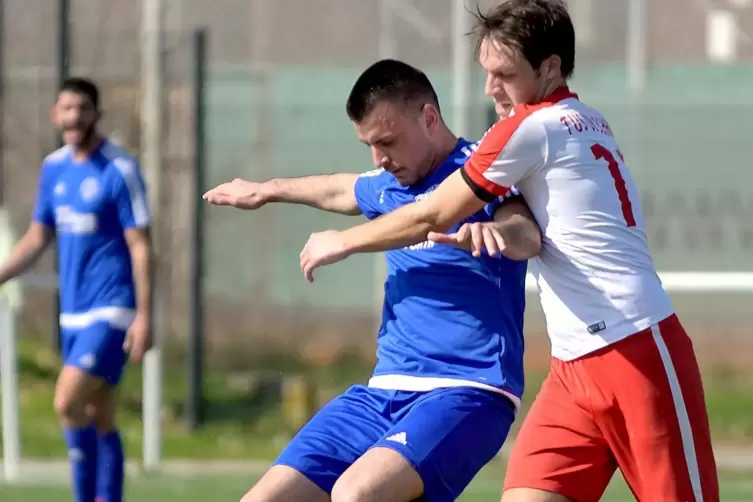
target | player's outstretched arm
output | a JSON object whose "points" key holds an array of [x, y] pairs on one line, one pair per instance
{"points": [[27, 251], [329, 192], [450, 203], [514, 233]]}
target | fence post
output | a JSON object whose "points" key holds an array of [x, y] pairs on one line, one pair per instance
{"points": [[9, 388], [2, 103], [63, 72], [194, 399], [152, 157]]}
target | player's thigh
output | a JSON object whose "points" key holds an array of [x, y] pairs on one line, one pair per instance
{"points": [[285, 484], [73, 389], [97, 350], [444, 439], [380, 474], [661, 436], [340, 433], [74, 386], [558, 450]]}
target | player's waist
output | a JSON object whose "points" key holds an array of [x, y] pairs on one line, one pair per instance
{"points": [[117, 317], [412, 383], [569, 344]]}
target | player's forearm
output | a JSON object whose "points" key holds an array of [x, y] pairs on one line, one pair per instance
{"points": [[404, 227], [142, 261], [519, 230], [26, 252], [329, 192], [521, 237], [450, 203]]}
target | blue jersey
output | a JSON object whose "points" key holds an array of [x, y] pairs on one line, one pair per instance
{"points": [[90, 203], [449, 319]]}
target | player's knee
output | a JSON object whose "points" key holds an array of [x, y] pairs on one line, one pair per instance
{"points": [[103, 418], [351, 489], [532, 495], [351, 492], [284, 484], [255, 496], [69, 407], [74, 389], [100, 409]]}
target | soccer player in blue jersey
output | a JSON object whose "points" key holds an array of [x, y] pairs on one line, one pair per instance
{"points": [[92, 199], [449, 372]]}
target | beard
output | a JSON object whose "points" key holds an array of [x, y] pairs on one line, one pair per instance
{"points": [[85, 134]]}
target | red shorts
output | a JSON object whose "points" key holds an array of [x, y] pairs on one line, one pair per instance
{"points": [[638, 405]]}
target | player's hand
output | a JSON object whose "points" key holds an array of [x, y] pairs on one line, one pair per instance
{"points": [[322, 248], [474, 237], [238, 193], [138, 338]]}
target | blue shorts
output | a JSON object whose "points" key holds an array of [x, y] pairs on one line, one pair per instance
{"points": [[96, 349], [447, 435]]}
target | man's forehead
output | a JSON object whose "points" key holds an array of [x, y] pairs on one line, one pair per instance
{"points": [[380, 123], [74, 97], [494, 55]]}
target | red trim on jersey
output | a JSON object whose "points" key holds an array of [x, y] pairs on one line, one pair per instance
{"points": [[496, 139]]}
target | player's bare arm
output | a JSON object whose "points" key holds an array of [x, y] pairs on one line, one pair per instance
{"points": [[329, 192], [514, 233], [449, 204], [27, 251], [139, 242]]}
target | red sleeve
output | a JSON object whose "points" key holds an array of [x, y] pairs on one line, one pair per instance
{"points": [[508, 151]]}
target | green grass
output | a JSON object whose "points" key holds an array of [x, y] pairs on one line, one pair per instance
{"points": [[245, 419], [229, 487]]}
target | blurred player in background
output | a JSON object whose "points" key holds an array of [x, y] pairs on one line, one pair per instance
{"points": [[449, 374], [624, 388], [92, 198]]}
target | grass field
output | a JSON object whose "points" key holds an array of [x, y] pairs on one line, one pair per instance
{"points": [[229, 487], [246, 422], [244, 417]]}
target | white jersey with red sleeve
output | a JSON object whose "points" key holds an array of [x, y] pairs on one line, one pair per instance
{"points": [[597, 281]]}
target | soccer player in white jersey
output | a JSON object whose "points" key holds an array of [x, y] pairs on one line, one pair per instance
{"points": [[92, 199], [449, 369], [624, 388]]}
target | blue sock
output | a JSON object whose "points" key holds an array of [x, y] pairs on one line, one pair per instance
{"points": [[82, 454], [110, 473]]}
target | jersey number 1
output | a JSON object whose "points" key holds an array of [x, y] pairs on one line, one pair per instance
{"points": [[619, 182]]}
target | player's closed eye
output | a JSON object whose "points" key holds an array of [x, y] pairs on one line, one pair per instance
{"points": [[504, 76]]}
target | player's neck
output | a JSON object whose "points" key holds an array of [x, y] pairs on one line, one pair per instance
{"points": [[446, 144], [552, 86], [84, 151]]}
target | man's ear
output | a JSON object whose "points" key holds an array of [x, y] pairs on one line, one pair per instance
{"points": [[432, 118]]}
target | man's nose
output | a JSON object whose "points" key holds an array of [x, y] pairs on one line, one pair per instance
{"points": [[380, 159], [490, 87]]}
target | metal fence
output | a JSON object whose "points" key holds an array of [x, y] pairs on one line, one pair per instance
{"points": [[278, 76]]}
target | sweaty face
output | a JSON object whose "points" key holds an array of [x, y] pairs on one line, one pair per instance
{"points": [[510, 78], [75, 116], [400, 141]]}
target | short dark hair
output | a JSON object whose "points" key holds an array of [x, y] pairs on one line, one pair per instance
{"points": [[83, 86], [538, 28], [389, 80]]}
